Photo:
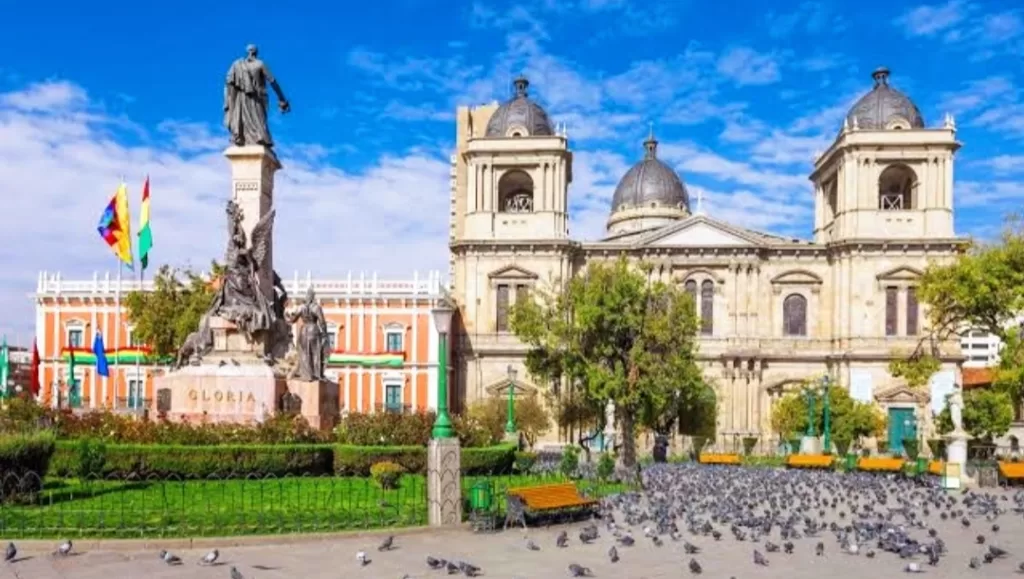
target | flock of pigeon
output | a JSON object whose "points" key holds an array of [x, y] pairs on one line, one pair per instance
{"points": [[702, 517]]}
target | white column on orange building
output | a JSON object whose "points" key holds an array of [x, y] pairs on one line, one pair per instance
{"points": [[412, 348], [360, 338], [93, 324], [348, 341], [374, 375], [54, 354]]}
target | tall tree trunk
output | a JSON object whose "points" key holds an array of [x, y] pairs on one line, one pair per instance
{"points": [[628, 422]]}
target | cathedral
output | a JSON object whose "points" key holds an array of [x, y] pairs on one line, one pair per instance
{"points": [[774, 310]]}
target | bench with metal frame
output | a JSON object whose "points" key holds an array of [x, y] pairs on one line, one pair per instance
{"points": [[549, 499]]}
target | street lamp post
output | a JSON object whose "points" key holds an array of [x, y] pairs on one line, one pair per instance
{"points": [[442, 314], [510, 424], [826, 383]]}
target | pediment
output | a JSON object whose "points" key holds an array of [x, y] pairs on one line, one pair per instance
{"points": [[785, 385], [701, 232], [797, 277], [500, 388], [513, 272], [901, 273], [902, 394]]}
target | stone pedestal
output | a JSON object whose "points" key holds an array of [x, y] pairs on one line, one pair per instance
{"points": [[810, 445], [252, 188], [317, 401], [956, 454], [444, 482]]}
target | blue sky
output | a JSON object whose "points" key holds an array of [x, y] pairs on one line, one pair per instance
{"points": [[740, 97]]}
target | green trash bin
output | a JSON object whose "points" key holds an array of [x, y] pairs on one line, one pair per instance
{"points": [[851, 461], [481, 496]]}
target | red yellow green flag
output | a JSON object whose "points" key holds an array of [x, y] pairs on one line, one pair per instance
{"points": [[145, 234]]}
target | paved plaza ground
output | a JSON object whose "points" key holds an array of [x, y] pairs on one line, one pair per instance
{"points": [[503, 555]]}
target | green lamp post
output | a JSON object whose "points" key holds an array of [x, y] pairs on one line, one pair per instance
{"points": [[826, 384], [809, 393], [442, 314], [510, 424]]}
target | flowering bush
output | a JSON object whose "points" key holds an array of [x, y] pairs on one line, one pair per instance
{"points": [[385, 429], [386, 474]]}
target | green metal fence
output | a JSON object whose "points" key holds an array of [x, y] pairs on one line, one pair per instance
{"points": [[225, 506]]}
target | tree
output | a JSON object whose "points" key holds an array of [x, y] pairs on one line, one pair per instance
{"points": [[850, 419], [987, 414], [164, 317], [619, 336], [532, 419]]}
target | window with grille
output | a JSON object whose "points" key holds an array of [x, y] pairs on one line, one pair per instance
{"points": [[707, 308], [501, 323], [76, 337], [912, 311], [891, 311], [393, 341], [393, 397]]}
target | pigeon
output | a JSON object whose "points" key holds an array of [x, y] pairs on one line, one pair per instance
{"points": [[363, 560], [562, 540], [819, 549], [11, 553], [469, 570], [434, 563], [64, 549], [695, 567], [170, 558], [759, 559], [531, 545], [451, 568], [997, 552], [579, 571], [210, 558], [613, 554], [387, 544], [236, 574]]}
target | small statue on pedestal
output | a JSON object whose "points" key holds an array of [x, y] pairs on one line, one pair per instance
{"points": [[956, 408], [313, 346]]}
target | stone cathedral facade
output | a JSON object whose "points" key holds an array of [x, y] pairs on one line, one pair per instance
{"points": [[774, 310]]}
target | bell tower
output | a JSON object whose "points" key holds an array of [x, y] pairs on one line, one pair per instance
{"points": [[886, 176]]}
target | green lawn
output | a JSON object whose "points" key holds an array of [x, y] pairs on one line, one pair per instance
{"points": [[72, 508]]}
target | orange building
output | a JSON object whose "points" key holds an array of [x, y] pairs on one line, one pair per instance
{"points": [[383, 341]]}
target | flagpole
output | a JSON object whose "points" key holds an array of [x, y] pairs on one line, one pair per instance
{"points": [[140, 383], [117, 332]]}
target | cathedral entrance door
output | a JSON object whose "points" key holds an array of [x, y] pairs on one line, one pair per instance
{"points": [[902, 426]]}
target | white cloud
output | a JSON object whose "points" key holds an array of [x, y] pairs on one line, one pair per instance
{"points": [[928, 20], [61, 158], [746, 66]]}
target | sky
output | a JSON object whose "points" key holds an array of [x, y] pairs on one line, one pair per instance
{"points": [[741, 98]]}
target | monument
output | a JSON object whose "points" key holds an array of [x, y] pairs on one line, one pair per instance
{"points": [[956, 441], [234, 367]]}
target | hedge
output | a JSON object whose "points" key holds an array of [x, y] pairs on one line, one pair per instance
{"points": [[240, 461], [24, 461]]}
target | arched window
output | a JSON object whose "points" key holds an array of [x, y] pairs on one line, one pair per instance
{"points": [[896, 188], [707, 308], [515, 192], [794, 315], [691, 288]]}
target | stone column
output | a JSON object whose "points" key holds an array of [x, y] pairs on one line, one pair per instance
{"points": [[252, 187], [444, 482]]}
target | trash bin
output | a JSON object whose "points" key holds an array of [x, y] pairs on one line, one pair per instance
{"points": [[660, 448], [481, 496], [851, 461], [922, 465]]}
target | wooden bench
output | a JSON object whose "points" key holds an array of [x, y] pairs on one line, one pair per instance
{"points": [[543, 499], [714, 458], [1011, 470], [881, 464], [810, 460]]}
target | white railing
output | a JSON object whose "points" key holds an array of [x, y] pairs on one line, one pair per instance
{"points": [[353, 285]]}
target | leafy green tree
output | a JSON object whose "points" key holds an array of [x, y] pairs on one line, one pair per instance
{"points": [[164, 317], [851, 419], [620, 336], [987, 414]]}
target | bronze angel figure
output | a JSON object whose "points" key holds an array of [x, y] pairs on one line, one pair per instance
{"points": [[240, 298]]}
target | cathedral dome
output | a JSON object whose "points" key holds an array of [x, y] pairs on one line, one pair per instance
{"points": [[520, 116], [884, 108], [649, 184]]}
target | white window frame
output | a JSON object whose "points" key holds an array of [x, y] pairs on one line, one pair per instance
{"points": [[332, 332], [139, 378], [394, 328], [74, 325], [397, 382]]}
